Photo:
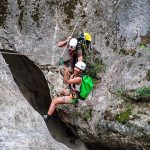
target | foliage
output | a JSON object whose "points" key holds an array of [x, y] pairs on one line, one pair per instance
{"points": [[143, 93], [87, 115], [85, 112], [142, 46], [123, 117], [95, 67], [122, 94]]}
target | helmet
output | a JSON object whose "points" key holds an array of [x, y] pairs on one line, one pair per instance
{"points": [[81, 65], [73, 42]]}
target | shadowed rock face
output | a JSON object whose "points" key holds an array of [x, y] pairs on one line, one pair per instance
{"points": [[21, 127], [30, 81], [33, 86], [116, 116]]}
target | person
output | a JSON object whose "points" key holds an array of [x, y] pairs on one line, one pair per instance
{"points": [[74, 50], [69, 96]]}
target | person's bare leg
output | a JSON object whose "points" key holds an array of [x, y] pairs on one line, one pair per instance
{"points": [[56, 101]]}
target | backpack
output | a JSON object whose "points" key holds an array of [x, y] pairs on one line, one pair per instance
{"points": [[85, 39], [86, 87]]}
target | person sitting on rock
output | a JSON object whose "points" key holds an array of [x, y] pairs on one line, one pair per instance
{"points": [[74, 50], [70, 96]]}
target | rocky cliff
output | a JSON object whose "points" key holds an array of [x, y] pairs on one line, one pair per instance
{"points": [[116, 116], [21, 127]]}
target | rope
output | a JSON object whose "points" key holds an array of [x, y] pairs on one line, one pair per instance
{"points": [[68, 41]]}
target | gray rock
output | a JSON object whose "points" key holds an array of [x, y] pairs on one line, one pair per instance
{"points": [[120, 31], [1, 47], [21, 127]]}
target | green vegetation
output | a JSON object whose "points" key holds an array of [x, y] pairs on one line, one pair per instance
{"points": [[121, 93], [142, 46], [87, 115], [84, 112], [132, 97], [145, 40], [141, 94], [95, 67], [124, 116]]}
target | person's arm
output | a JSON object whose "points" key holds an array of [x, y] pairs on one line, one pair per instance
{"points": [[63, 43], [80, 57], [76, 80], [79, 49]]}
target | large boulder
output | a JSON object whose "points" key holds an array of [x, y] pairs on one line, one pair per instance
{"points": [[21, 127]]}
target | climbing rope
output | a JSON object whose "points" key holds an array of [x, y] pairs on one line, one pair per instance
{"points": [[61, 56]]}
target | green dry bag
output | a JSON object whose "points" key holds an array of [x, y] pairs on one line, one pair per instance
{"points": [[86, 87]]}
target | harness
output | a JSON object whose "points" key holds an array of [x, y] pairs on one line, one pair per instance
{"points": [[73, 89]]}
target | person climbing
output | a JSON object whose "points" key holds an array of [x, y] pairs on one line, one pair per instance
{"points": [[74, 50], [69, 96]]}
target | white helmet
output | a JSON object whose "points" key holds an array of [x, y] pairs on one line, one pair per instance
{"points": [[73, 42], [81, 65]]}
